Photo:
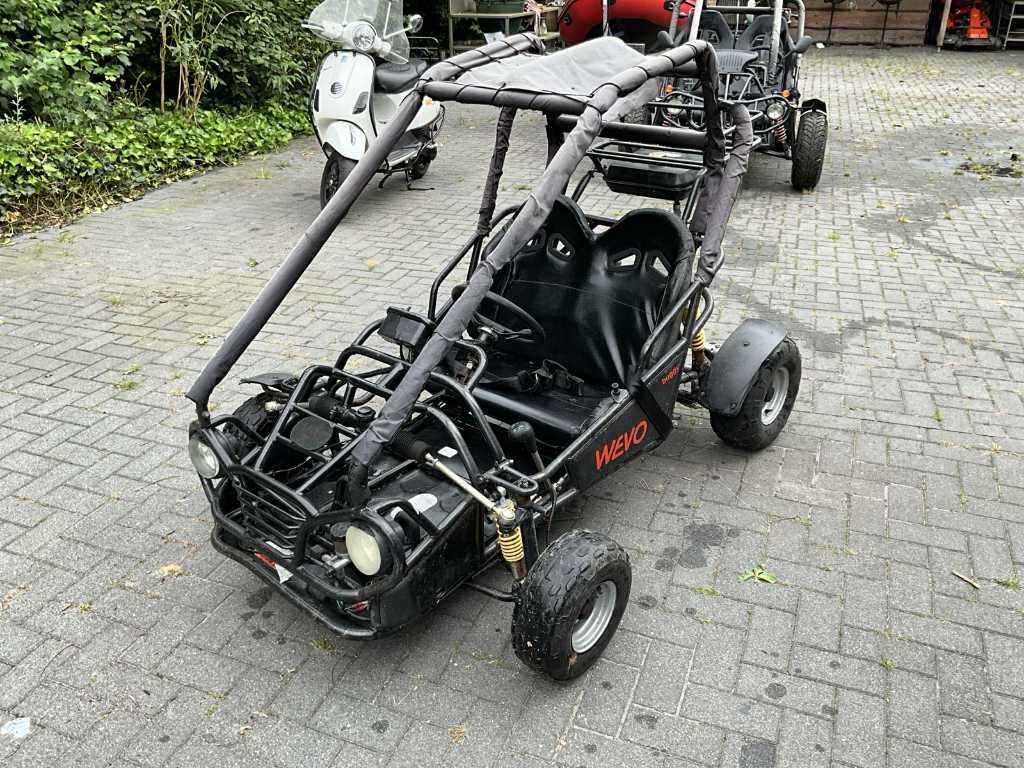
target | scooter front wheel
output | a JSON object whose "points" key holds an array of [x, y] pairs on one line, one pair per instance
{"points": [[335, 172]]}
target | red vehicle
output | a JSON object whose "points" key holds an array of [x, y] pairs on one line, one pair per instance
{"points": [[635, 21], [970, 26]]}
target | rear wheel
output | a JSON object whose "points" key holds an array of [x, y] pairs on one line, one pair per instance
{"points": [[419, 169], [335, 172], [767, 406], [809, 150], [570, 604]]}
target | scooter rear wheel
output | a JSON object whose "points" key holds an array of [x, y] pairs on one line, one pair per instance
{"points": [[419, 170], [335, 172]]}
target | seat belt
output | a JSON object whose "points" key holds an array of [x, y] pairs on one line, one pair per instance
{"points": [[661, 421], [549, 375]]}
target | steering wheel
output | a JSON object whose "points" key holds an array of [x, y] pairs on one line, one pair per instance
{"points": [[532, 333]]}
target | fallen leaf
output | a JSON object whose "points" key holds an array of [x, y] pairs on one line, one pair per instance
{"points": [[172, 571]]}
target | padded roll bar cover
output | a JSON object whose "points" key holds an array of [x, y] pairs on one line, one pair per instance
{"points": [[736, 363], [406, 445]]}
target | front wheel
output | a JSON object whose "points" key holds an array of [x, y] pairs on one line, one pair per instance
{"points": [[767, 406], [809, 150], [335, 172], [570, 604]]}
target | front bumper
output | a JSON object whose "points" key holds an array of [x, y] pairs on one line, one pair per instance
{"points": [[296, 590]]}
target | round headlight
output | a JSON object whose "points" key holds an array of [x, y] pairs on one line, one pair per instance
{"points": [[203, 458], [364, 550], [775, 110], [363, 36]]}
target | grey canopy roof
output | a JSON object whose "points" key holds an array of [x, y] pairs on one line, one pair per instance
{"points": [[576, 72]]}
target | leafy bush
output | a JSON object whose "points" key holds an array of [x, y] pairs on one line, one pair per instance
{"points": [[60, 59], [100, 98], [47, 170], [63, 60]]}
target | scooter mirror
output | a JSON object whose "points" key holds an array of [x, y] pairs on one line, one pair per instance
{"points": [[415, 23]]}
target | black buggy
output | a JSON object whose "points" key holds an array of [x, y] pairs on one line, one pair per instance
{"points": [[367, 497], [758, 66]]}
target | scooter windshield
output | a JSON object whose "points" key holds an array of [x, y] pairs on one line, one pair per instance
{"points": [[385, 16]]}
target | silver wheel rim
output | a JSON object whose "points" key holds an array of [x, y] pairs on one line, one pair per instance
{"points": [[780, 388], [589, 629]]}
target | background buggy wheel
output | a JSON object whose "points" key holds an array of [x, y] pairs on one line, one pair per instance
{"points": [[570, 604], [809, 150], [259, 414], [335, 172], [768, 404]]}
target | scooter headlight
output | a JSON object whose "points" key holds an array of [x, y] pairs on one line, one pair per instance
{"points": [[365, 550], [775, 111], [203, 458], [363, 36]]}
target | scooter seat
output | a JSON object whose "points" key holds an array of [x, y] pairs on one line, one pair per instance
{"points": [[394, 78]]}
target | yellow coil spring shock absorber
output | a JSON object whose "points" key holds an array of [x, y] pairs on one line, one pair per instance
{"points": [[697, 346], [510, 539]]}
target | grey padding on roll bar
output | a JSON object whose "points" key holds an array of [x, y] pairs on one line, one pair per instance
{"points": [[313, 239]]}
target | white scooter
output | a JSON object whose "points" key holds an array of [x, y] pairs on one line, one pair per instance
{"points": [[359, 87]]}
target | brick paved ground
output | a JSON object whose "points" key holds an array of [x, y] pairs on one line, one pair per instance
{"points": [[903, 462]]}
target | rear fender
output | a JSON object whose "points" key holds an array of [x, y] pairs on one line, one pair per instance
{"points": [[737, 362]]}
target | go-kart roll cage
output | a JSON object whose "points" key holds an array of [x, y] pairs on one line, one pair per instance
{"points": [[747, 87], [413, 390], [440, 82]]}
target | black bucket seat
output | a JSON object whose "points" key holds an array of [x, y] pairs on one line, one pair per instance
{"points": [[598, 297]]}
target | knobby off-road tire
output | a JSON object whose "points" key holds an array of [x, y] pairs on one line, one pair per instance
{"points": [[809, 150], [258, 413], [754, 427], [336, 170], [568, 585]]}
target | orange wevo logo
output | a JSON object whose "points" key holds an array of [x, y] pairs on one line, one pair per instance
{"points": [[614, 449]]}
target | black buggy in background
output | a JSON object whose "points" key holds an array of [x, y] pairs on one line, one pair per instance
{"points": [[367, 496], [759, 66]]}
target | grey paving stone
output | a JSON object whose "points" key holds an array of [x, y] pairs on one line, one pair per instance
{"points": [[913, 707], [838, 669], [679, 736], [907, 754], [860, 729], [784, 690], [963, 737], [818, 620], [716, 661], [945, 635], [770, 638], [663, 677], [731, 712], [804, 742], [1005, 663]]}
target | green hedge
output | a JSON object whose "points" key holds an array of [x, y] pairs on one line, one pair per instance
{"points": [[48, 172]]}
